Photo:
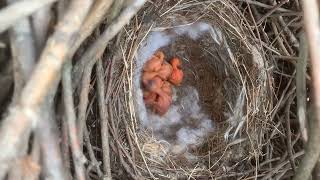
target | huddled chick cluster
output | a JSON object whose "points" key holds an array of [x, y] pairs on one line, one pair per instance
{"points": [[157, 78]]}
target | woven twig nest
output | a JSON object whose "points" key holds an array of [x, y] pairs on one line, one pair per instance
{"points": [[218, 113]]}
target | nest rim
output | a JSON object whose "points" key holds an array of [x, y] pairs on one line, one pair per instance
{"points": [[144, 137]]}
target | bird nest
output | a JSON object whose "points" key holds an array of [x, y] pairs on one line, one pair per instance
{"points": [[214, 127]]}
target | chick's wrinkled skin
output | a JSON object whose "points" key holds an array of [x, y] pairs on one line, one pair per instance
{"points": [[159, 97], [167, 88], [159, 54], [147, 76], [149, 98], [177, 74], [162, 103], [165, 71], [154, 64], [158, 78], [153, 84]]}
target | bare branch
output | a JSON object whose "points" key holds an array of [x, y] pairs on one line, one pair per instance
{"points": [[71, 121], [301, 67], [97, 48], [257, 3], [65, 144], [97, 13], [104, 121], [40, 22], [48, 137], [277, 6], [23, 117], [84, 99], [23, 53], [311, 20], [19, 10], [288, 132], [94, 161]]}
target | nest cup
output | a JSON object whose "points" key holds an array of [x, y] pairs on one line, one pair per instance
{"points": [[220, 108]]}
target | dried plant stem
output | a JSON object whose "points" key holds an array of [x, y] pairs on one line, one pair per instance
{"points": [[11, 14], [103, 118], [122, 153], [71, 121], [23, 117], [311, 20]]}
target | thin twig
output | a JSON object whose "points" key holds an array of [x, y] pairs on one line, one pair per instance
{"points": [[288, 134], [292, 37], [281, 165], [284, 38], [23, 117], [94, 162], [285, 27], [311, 20], [71, 121], [257, 3], [11, 14], [271, 11], [104, 120], [279, 40]]}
